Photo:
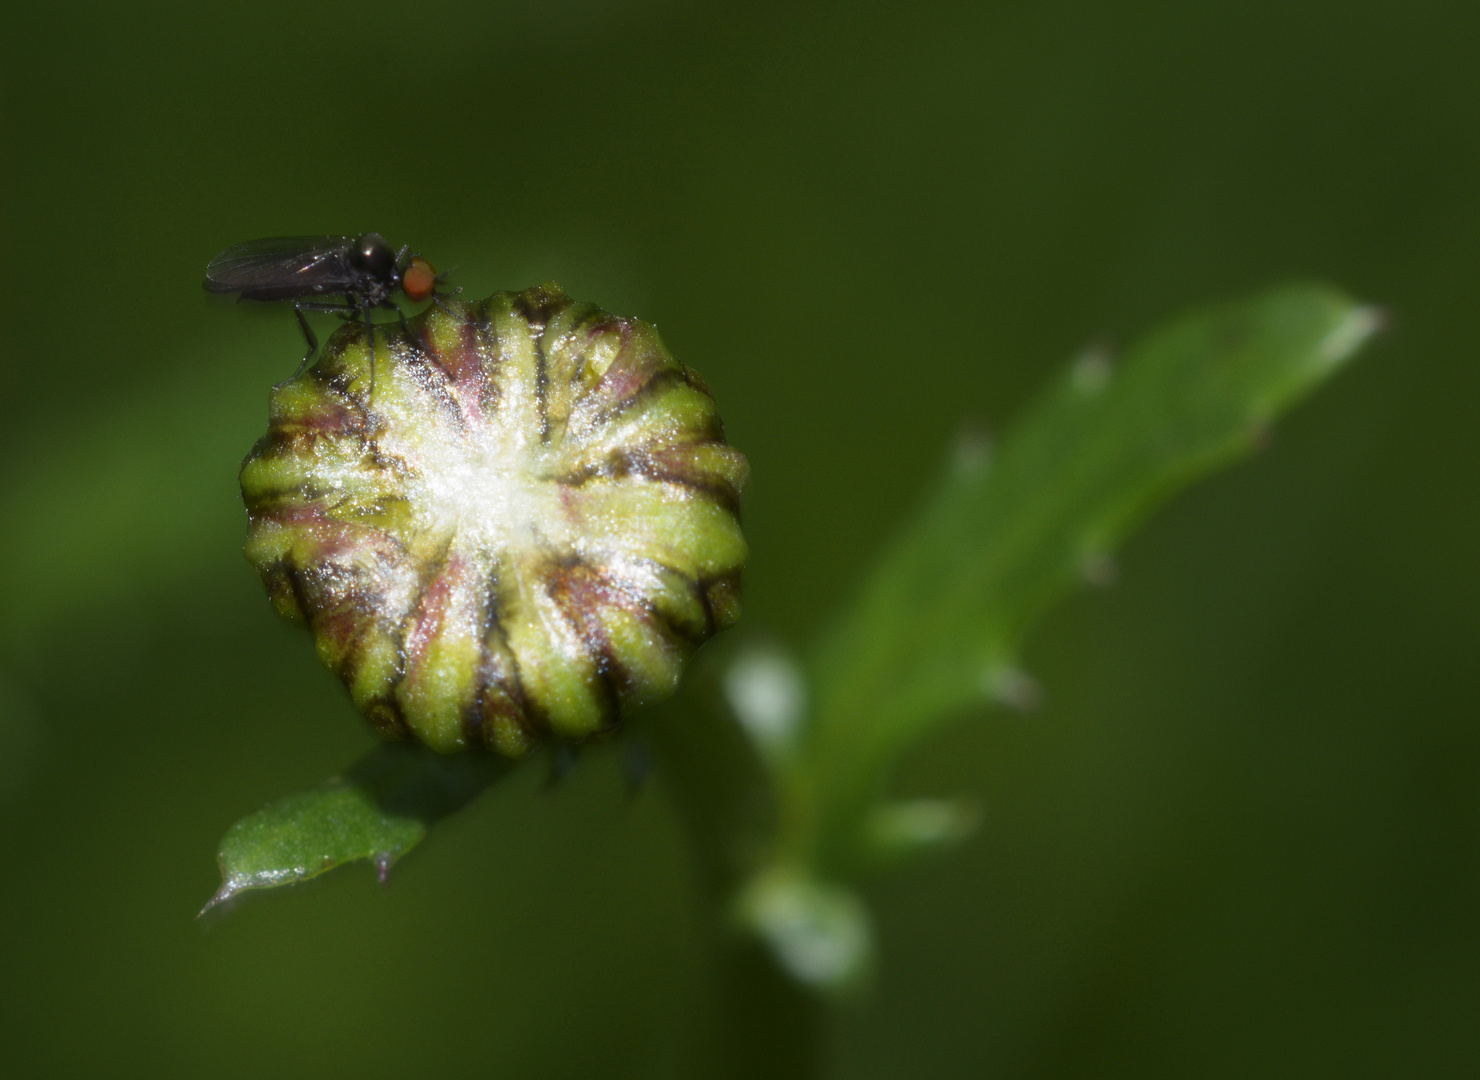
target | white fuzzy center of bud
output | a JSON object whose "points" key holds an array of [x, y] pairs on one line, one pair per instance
{"points": [[487, 478]]}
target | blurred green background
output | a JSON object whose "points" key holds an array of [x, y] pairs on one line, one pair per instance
{"points": [[1242, 835]]}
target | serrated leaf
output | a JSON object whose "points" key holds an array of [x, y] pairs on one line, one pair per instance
{"points": [[940, 620], [379, 809]]}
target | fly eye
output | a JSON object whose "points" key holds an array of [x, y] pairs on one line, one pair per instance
{"points": [[373, 256], [419, 279]]}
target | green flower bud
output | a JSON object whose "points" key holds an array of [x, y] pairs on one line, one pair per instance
{"points": [[518, 519]]}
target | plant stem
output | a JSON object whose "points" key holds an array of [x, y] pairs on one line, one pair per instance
{"points": [[763, 1023], [766, 1025]]}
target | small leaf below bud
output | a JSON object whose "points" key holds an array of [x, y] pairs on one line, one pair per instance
{"points": [[379, 809]]}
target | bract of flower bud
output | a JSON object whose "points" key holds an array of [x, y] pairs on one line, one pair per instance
{"points": [[522, 525]]}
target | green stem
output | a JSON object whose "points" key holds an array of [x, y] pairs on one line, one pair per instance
{"points": [[764, 1024]]}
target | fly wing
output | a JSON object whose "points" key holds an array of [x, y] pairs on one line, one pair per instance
{"points": [[283, 267]]}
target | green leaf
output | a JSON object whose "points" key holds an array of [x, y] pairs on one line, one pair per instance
{"points": [[818, 932], [379, 809], [899, 830], [937, 626]]}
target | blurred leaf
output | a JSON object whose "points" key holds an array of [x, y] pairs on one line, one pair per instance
{"points": [[937, 626], [380, 809], [766, 693], [898, 830], [818, 931]]}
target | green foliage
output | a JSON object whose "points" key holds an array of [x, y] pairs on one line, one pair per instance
{"points": [[380, 809], [934, 632], [937, 626]]}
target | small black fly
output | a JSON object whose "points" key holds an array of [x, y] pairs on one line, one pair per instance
{"points": [[364, 269]]}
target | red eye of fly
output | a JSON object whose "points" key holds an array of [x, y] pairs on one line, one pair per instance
{"points": [[419, 279]]}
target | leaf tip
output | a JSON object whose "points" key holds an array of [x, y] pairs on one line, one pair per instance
{"points": [[230, 888], [1091, 370], [1099, 569], [819, 933], [971, 453], [1352, 332], [1013, 687], [899, 830], [766, 691]]}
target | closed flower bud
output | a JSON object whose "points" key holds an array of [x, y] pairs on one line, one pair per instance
{"points": [[516, 520]]}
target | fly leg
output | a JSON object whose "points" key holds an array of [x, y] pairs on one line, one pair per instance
{"points": [[370, 334], [405, 328], [313, 342], [447, 308], [370, 341]]}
